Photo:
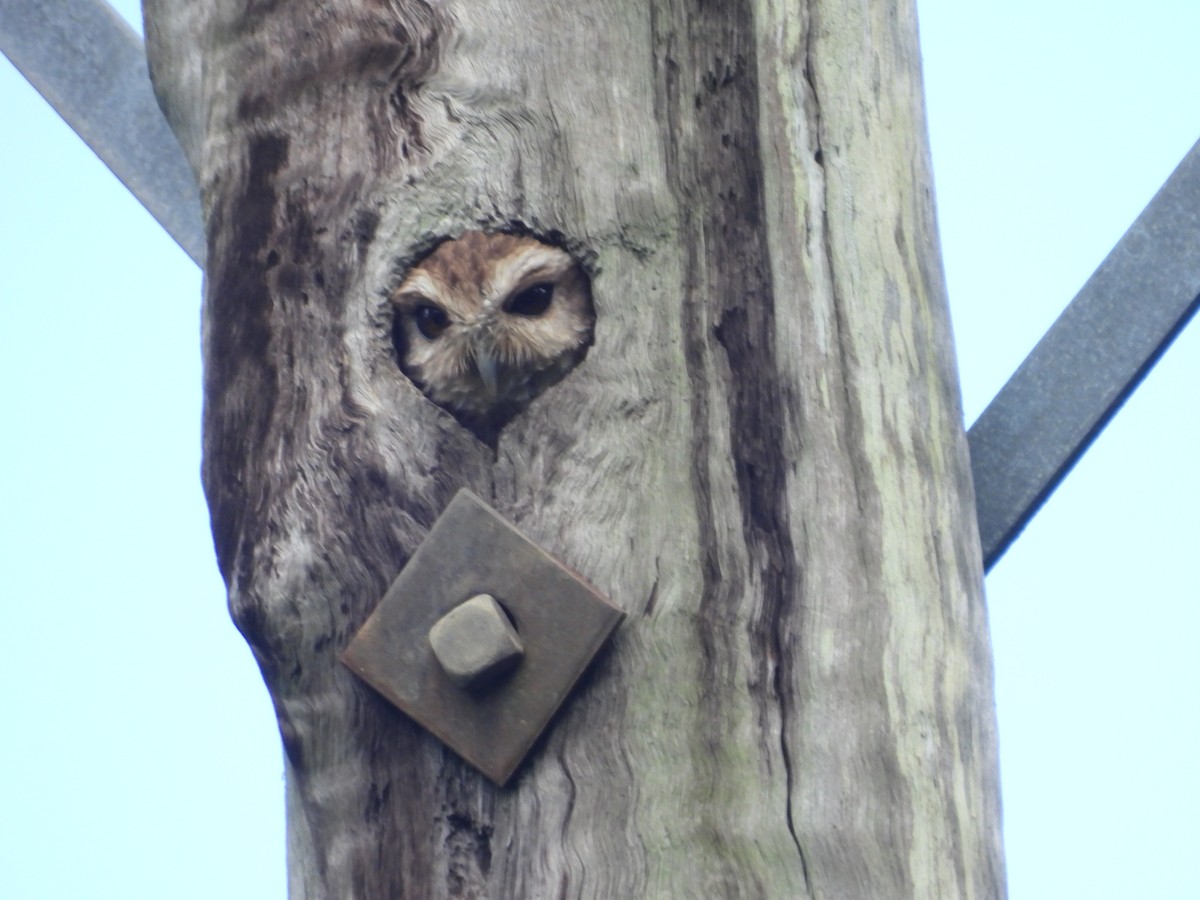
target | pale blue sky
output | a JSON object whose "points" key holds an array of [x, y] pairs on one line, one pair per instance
{"points": [[139, 759]]}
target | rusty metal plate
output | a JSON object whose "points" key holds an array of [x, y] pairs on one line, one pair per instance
{"points": [[561, 620]]}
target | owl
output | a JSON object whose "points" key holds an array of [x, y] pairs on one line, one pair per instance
{"points": [[487, 321]]}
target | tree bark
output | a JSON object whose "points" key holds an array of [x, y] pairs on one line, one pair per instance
{"points": [[761, 460]]}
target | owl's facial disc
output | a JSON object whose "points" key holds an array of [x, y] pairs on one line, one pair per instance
{"points": [[488, 321]]}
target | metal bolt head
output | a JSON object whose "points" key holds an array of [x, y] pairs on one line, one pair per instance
{"points": [[475, 643]]}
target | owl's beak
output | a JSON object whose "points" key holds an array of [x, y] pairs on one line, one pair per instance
{"points": [[486, 364]]}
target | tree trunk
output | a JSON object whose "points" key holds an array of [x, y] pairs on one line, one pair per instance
{"points": [[761, 460]]}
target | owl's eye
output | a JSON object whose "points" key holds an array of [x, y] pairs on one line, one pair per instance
{"points": [[431, 320], [533, 301]]}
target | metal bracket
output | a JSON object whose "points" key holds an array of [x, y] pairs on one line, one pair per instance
{"points": [[489, 706]]}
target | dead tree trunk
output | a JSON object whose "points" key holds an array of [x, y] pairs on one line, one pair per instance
{"points": [[761, 460]]}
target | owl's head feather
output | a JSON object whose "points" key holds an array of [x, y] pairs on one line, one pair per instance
{"points": [[487, 321]]}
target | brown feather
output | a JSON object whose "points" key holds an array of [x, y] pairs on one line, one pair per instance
{"points": [[472, 280]]}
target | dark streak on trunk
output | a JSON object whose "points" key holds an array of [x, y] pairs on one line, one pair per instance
{"points": [[728, 276], [238, 359]]}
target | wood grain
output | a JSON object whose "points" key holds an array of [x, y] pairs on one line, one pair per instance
{"points": [[761, 460]]}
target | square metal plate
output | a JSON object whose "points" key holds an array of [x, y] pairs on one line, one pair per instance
{"points": [[562, 620]]}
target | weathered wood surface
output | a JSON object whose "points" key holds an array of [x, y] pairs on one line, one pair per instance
{"points": [[762, 458]]}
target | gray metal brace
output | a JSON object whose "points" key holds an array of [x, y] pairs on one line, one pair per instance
{"points": [[91, 67]]}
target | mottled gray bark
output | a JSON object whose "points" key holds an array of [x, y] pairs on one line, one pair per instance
{"points": [[762, 458]]}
